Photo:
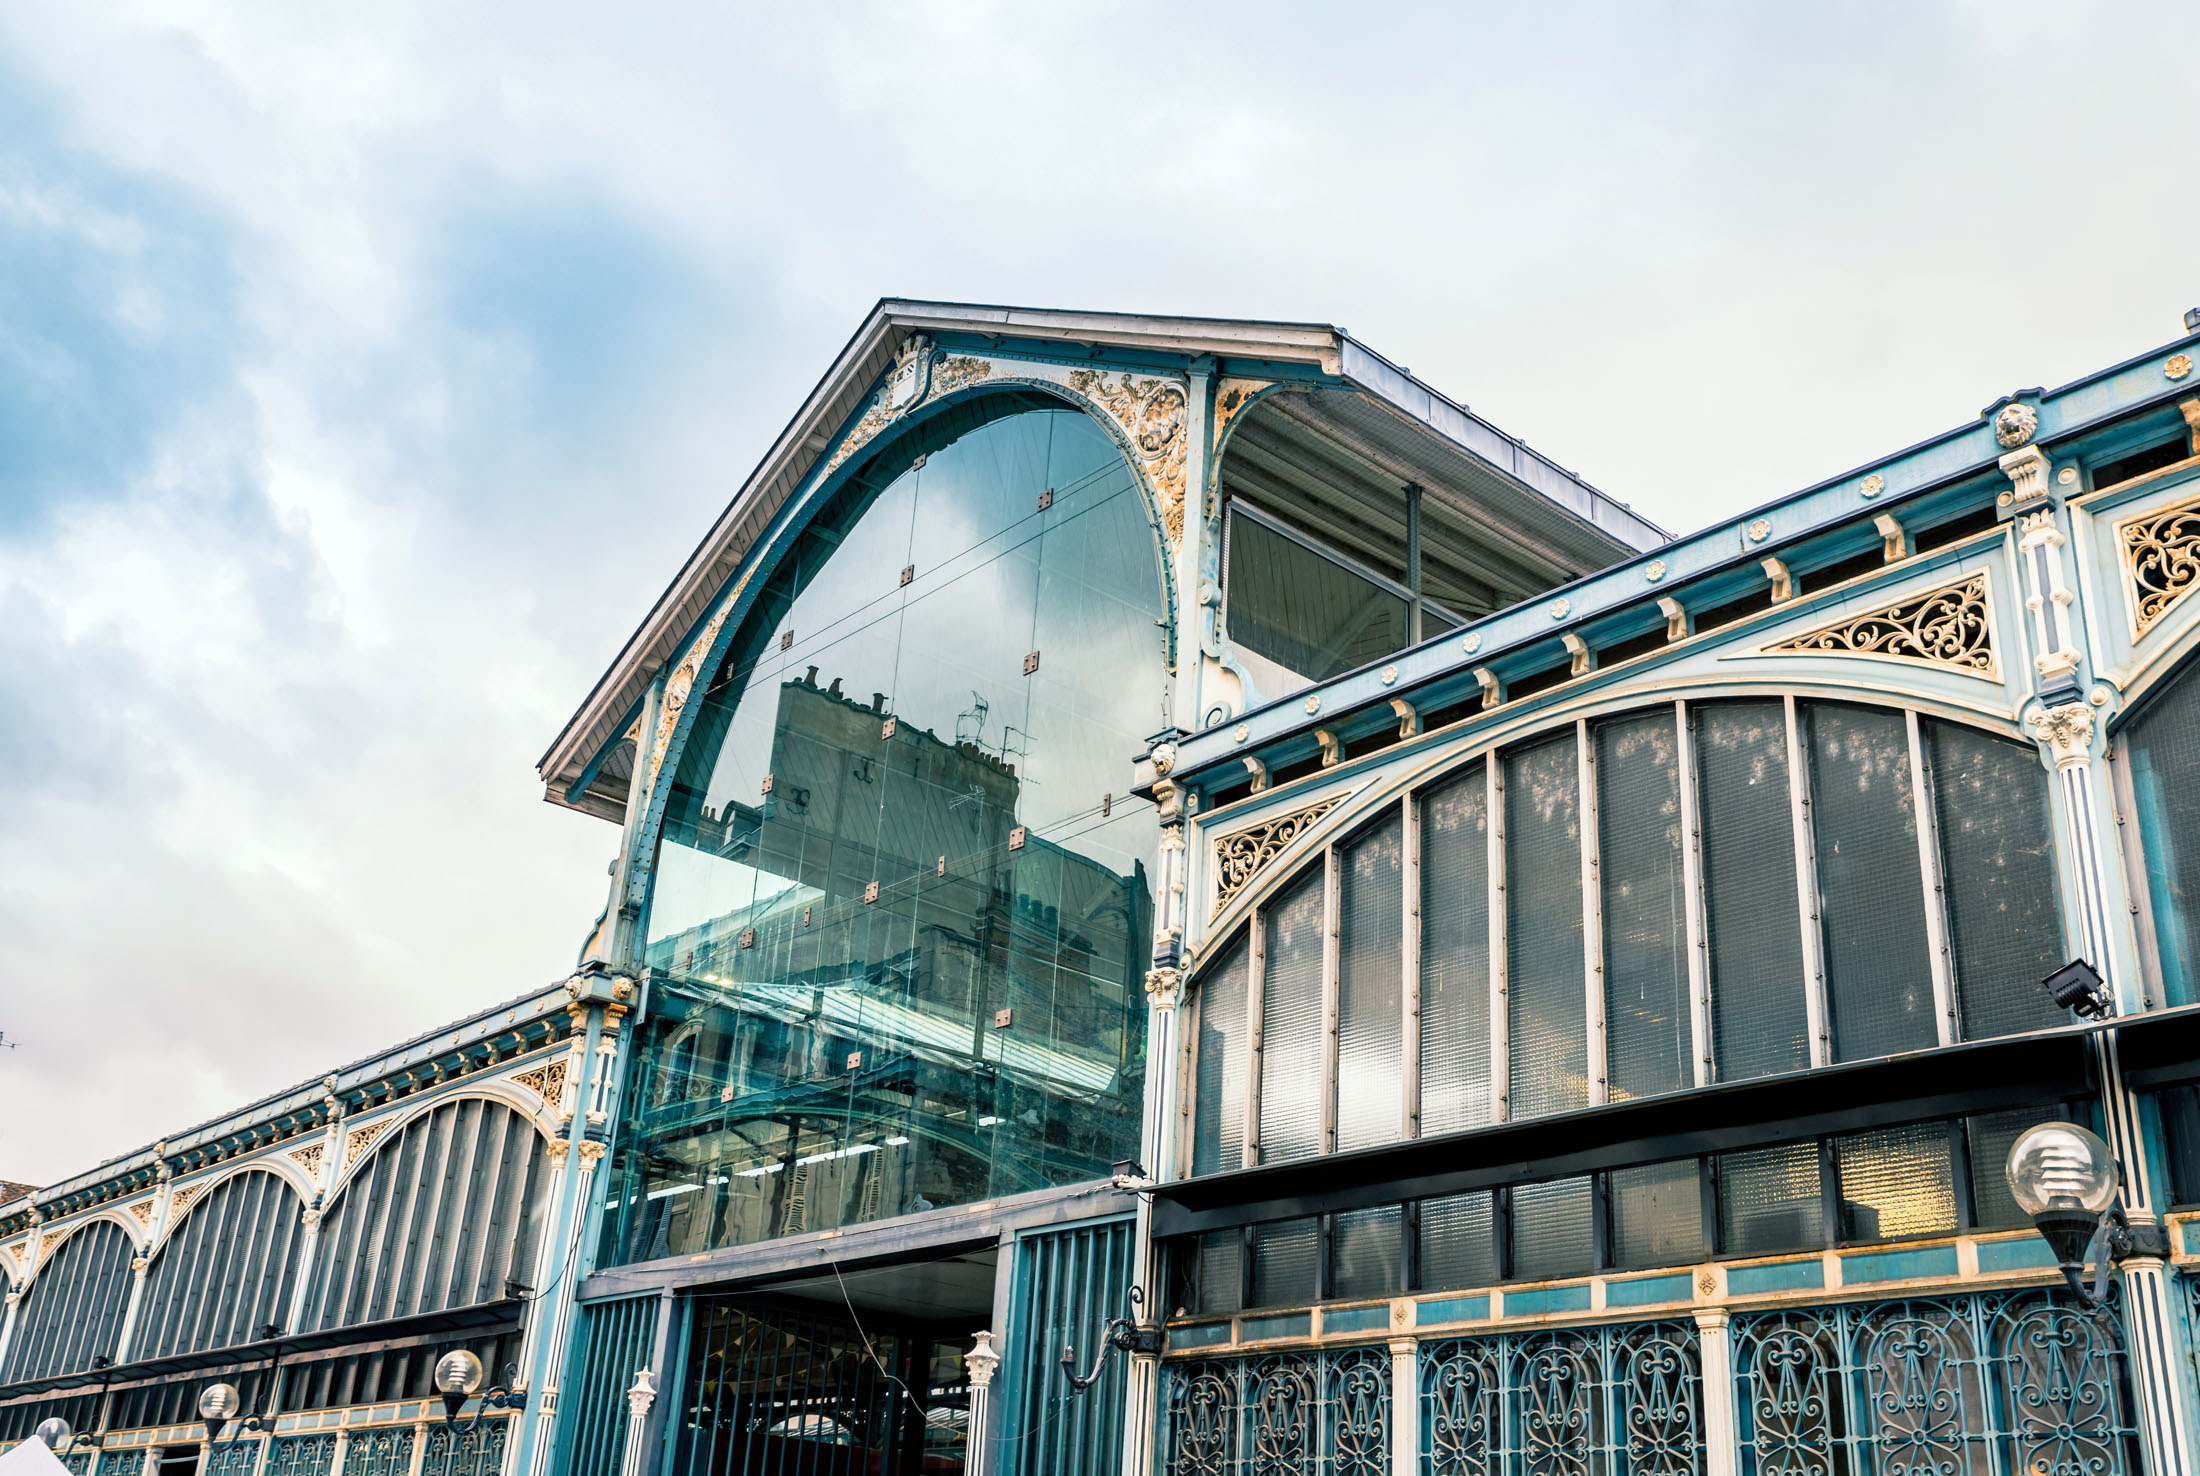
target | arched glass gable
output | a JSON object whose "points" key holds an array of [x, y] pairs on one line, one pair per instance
{"points": [[900, 907], [1618, 908]]}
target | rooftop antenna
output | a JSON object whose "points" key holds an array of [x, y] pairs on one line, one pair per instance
{"points": [[975, 713]]}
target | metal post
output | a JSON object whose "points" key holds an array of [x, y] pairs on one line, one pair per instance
{"points": [[1413, 561], [1405, 1407], [1721, 1431], [542, 1346], [980, 1362], [639, 1398]]}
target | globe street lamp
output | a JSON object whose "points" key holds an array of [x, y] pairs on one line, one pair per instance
{"points": [[2065, 1178], [458, 1376], [218, 1405], [54, 1434]]}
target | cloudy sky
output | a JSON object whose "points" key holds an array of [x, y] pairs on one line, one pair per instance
{"points": [[365, 372]]}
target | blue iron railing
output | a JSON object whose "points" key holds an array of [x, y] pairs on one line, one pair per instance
{"points": [[2022, 1383], [231, 1457], [386, 1452], [1324, 1413], [301, 1455]]}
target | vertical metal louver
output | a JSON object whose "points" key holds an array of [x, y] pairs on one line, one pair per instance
{"points": [[1218, 1066], [1549, 1006], [1455, 954], [224, 1272], [1639, 835], [448, 1208], [72, 1311], [1760, 1022], [1370, 1002], [1067, 1283], [1879, 964], [1291, 1047], [615, 1340]]}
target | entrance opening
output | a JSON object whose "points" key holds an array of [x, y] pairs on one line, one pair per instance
{"points": [[854, 1372]]}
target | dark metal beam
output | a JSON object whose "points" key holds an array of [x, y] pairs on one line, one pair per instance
{"points": [[1953, 1081]]}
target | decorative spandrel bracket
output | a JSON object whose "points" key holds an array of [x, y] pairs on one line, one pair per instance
{"points": [[1949, 627], [2161, 559], [1242, 855]]}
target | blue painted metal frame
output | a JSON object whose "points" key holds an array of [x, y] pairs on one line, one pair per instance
{"points": [[1727, 547]]}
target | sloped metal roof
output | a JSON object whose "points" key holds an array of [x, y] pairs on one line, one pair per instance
{"points": [[1411, 425]]}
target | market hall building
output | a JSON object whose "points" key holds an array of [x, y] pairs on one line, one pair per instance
{"points": [[1176, 821]]}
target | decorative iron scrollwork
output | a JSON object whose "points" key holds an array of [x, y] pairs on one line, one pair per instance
{"points": [[1931, 1386], [2162, 561], [1951, 626], [1286, 1414], [1577, 1402], [1240, 855]]}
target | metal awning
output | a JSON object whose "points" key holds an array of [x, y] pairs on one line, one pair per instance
{"points": [[2160, 1048], [1949, 1081], [366, 1337]]}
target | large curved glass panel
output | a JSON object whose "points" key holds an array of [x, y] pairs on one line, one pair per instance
{"points": [[898, 920]]}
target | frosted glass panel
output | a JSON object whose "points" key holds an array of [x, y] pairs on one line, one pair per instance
{"points": [[1759, 1023], [1291, 1087], [1645, 906], [1218, 1113], [1456, 1248], [1879, 971], [1370, 988], [1991, 798], [1549, 1017], [1366, 1253], [1455, 955], [1552, 1229]]}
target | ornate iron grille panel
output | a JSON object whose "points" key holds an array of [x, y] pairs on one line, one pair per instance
{"points": [[301, 1455], [1957, 1386], [1591, 1401], [1289, 1414], [478, 1452], [379, 1453], [78, 1461], [236, 1457]]}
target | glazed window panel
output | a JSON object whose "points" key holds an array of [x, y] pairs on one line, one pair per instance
{"points": [[1998, 869], [1456, 1245], [1292, 1025], [1218, 1071], [1656, 1214], [1548, 1025], [1366, 1249], [1896, 1183], [1455, 954], [1286, 1263], [1645, 906], [1771, 1200], [1218, 1272], [1760, 1022], [1370, 1000], [1553, 1229], [1879, 970]]}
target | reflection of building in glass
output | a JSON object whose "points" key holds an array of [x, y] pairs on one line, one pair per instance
{"points": [[918, 1009]]}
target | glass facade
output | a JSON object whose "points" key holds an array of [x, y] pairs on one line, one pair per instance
{"points": [[897, 927]]}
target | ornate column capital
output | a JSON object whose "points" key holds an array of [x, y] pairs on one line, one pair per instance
{"points": [[1164, 987], [2068, 731], [642, 1395], [982, 1359], [559, 1148], [591, 1153], [2027, 470]]}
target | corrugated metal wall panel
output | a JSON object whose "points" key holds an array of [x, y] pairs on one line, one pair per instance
{"points": [[449, 1207], [614, 1340], [225, 1271], [73, 1310], [1068, 1282]]}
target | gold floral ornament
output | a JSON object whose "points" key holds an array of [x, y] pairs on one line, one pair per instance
{"points": [[1949, 626], [1151, 413], [2178, 367], [546, 1081], [1241, 855], [2161, 559]]}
